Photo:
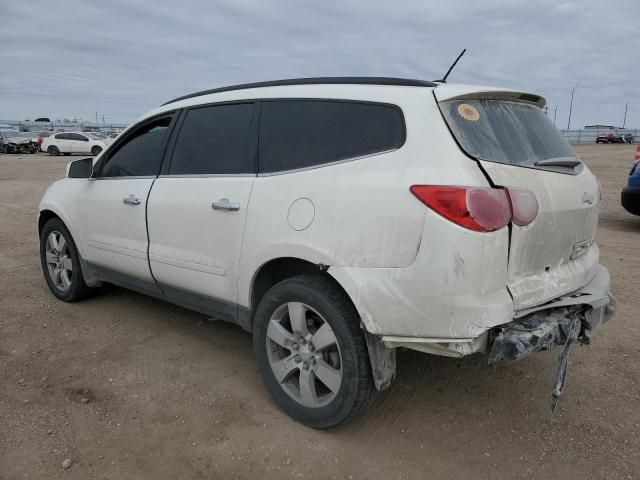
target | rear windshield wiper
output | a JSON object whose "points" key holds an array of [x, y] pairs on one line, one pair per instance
{"points": [[558, 162]]}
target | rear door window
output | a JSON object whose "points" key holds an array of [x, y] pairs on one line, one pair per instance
{"points": [[215, 140], [298, 134], [514, 133]]}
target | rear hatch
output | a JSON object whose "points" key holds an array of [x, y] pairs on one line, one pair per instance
{"points": [[515, 143]]}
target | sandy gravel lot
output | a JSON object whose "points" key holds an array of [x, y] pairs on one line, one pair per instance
{"points": [[172, 395]]}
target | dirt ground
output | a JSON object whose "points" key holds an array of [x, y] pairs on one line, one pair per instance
{"points": [[131, 387]]}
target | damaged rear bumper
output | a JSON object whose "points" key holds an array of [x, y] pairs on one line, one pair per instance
{"points": [[567, 319], [594, 300]]}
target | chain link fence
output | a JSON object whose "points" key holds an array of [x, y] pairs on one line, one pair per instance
{"points": [[590, 135]]}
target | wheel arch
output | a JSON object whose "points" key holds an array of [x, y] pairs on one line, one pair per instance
{"points": [[382, 360], [44, 217], [275, 271], [48, 211]]}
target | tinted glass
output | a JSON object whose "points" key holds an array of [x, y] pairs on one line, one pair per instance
{"points": [[505, 132], [215, 140], [62, 136], [140, 154], [303, 133], [77, 136]]}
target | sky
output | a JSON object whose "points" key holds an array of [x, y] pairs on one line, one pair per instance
{"points": [[71, 59]]}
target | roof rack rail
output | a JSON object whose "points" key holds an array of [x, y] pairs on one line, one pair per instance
{"points": [[313, 81]]}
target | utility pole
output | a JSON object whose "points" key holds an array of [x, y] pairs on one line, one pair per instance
{"points": [[573, 90], [555, 113], [624, 122]]}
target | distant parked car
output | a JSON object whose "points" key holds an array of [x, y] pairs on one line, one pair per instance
{"points": [[628, 138], [73, 142], [112, 136], [33, 136], [5, 145], [41, 136], [12, 141], [631, 193], [97, 134], [609, 138]]}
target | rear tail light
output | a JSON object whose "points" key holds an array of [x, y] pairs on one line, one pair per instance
{"points": [[524, 205], [475, 208], [480, 209]]}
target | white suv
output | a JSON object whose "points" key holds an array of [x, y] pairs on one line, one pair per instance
{"points": [[338, 219]]}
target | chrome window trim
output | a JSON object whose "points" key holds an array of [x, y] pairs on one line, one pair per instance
{"points": [[133, 177], [329, 164], [208, 175]]}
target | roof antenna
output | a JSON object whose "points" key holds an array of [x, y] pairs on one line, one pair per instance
{"points": [[444, 79]]}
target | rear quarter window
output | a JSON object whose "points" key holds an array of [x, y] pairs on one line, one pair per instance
{"points": [[298, 134], [514, 133]]}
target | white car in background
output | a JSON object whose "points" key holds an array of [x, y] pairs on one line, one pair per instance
{"points": [[73, 142]]}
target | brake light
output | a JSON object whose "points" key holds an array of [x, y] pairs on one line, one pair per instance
{"points": [[481, 209], [524, 205], [476, 208]]}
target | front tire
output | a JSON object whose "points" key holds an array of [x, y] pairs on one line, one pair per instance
{"points": [[53, 150], [61, 263], [312, 353]]}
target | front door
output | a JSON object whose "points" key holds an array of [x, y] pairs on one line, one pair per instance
{"points": [[63, 142], [114, 206], [198, 206]]}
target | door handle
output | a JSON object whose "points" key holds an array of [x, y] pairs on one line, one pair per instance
{"points": [[225, 204], [131, 200]]}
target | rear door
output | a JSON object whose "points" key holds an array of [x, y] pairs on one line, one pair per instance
{"points": [[198, 206], [517, 146]]}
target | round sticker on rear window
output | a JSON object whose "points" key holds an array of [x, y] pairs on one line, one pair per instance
{"points": [[468, 112]]}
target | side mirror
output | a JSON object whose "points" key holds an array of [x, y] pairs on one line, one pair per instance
{"points": [[80, 168]]}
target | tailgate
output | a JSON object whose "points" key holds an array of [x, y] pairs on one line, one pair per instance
{"points": [[519, 147], [556, 253]]}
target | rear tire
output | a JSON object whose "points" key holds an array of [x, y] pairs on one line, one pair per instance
{"points": [[96, 150], [317, 367], [61, 263], [53, 150]]}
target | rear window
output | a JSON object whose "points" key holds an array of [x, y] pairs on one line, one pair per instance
{"points": [[215, 140], [305, 133], [507, 132]]}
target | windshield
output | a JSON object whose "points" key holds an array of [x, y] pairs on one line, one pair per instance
{"points": [[94, 136], [507, 132]]}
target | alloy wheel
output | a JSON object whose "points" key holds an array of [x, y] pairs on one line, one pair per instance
{"points": [[304, 354], [58, 259]]}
